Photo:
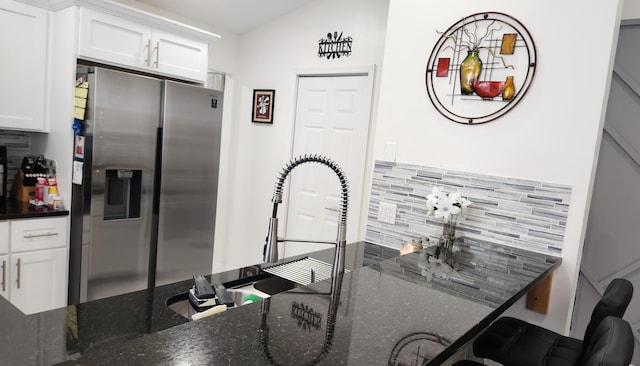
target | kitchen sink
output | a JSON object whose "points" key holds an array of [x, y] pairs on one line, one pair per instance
{"points": [[243, 291], [274, 285]]}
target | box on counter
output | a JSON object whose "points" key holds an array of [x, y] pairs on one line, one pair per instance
{"points": [[21, 192]]}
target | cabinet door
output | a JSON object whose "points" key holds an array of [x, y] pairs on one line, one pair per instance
{"points": [[179, 56], [4, 276], [23, 66], [4, 237], [104, 37], [38, 280]]}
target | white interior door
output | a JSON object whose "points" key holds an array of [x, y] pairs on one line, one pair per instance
{"points": [[332, 119], [611, 242]]}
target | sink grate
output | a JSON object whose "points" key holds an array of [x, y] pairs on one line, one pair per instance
{"points": [[299, 271]]}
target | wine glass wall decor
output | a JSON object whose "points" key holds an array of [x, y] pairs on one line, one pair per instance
{"points": [[480, 68]]}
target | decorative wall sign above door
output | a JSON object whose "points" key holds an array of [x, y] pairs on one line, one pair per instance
{"points": [[334, 46], [480, 68]]}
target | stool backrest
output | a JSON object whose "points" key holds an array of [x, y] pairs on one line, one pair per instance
{"points": [[614, 302], [611, 344]]}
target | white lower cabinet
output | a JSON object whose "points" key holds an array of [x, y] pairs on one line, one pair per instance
{"points": [[4, 259], [38, 280], [34, 270], [4, 237], [4, 286]]}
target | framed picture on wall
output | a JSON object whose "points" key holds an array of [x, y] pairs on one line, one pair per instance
{"points": [[263, 105]]}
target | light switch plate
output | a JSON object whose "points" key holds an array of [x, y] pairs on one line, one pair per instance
{"points": [[387, 212]]}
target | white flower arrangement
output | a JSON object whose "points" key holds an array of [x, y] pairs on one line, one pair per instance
{"points": [[447, 206]]}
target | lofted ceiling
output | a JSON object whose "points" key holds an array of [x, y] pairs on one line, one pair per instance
{"points": [[237, 16]]}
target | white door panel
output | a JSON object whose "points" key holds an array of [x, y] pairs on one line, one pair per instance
{"points": [[332, 119]]}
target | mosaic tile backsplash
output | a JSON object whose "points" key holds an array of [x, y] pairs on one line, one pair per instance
{"points": [[516, 212]]}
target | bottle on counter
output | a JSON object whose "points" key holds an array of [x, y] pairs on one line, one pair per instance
{"points": [[52, 192], [41, 184], [51, 196], [57, 203]]}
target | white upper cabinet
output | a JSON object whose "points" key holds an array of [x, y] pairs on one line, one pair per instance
{"points": [[105, 37], [110, 39], [176, 55], [23, 41]]}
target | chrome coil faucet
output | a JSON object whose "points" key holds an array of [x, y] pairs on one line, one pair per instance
{"points": [[271, 245]]}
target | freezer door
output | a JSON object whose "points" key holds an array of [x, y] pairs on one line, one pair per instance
{"points": [[124, 117], [189, 181]]}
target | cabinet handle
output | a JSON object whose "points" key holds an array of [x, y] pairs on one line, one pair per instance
{"points": [[18, 276], [31, 236], [157, 54], [148, 47], [4, 275]]}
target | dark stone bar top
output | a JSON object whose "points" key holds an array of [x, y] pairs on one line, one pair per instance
{"points": [[384, 308], [14, 209]]}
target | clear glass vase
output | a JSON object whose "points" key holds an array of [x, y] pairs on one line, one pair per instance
{"points": [[447, 242]]}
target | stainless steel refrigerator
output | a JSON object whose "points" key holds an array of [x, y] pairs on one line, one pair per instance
{"points": [[144, 212]]}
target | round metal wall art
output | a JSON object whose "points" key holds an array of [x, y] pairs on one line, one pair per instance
{"points": [[480, 68]]}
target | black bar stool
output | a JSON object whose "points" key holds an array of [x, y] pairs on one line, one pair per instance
{"points": [[611, 344], [514, 342]]}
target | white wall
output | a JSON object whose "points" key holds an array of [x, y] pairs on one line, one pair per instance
{"points": [[268, 58], [552, 135], [61, 74], [631, 9]]}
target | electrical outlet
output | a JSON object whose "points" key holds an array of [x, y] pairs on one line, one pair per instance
{"points": [[387, 212]]}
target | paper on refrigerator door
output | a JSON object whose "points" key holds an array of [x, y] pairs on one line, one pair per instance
{"points": [[77, 172]]}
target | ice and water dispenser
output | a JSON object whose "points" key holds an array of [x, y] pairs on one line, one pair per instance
{"points": [[123, 194]]}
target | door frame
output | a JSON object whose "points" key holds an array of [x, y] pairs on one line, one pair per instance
{"points": [[356, 70]]}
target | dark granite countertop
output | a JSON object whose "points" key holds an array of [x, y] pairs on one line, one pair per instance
{"points": [[14, 209], [386, 306]]}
